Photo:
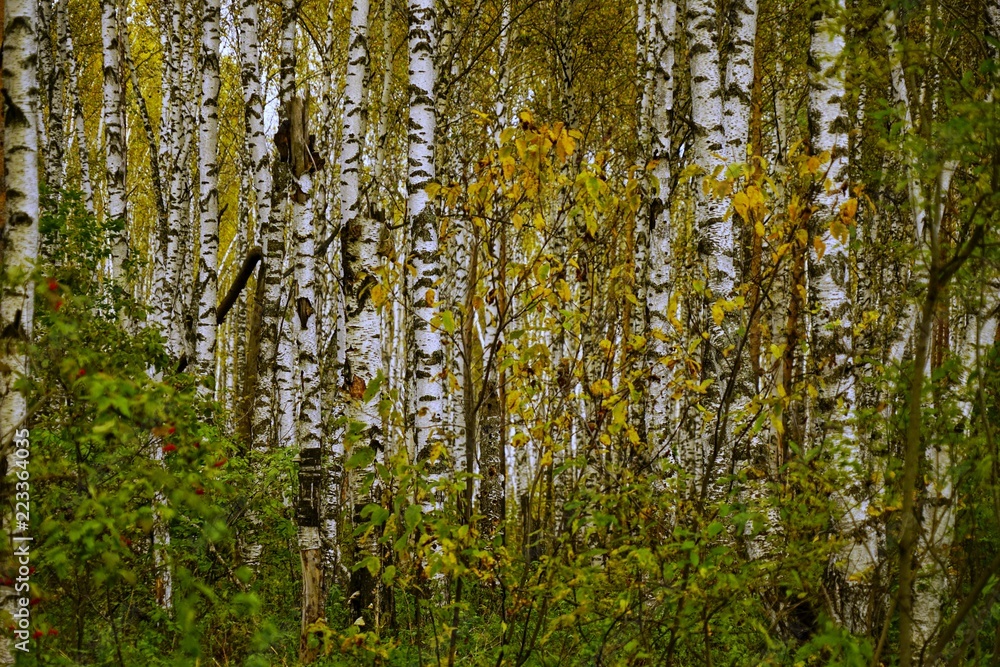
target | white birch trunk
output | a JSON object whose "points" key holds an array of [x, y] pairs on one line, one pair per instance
{"points": [[172, 146], [56, 92], [79, 129], [279, 313], [831, 353], [254, 114], [206, 288], [424, 378], [739, 77], [20, 251], [383, 109], [503, 69], [271, 399], [309, 423], [363, 326], [284, 367], [113, 119], [658, 277], [260, 173], [716, 244]]}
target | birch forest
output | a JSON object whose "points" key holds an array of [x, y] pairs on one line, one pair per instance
{"points": [[500, 333]]}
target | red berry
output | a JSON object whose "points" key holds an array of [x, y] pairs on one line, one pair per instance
{"points": [[53, 285], [199, 492], [53, 632], [80, 373], [57, 305], [34, 601], [172, 430], [38, 634], [220, 463], [197, 445], [169, 447], [31, 570]]}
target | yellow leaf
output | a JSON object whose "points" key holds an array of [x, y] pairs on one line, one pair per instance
{"points": [[567, 144], [849, 208], [429, 297], [838, 230], [776, 424], [378, 294], [718, 314], [601, 388], [759, 229], [741, 203], [562, 289], [819, 246], [689, 171]]}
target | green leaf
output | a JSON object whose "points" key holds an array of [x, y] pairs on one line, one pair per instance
{"points": [[412, 516], [371, 391], [448, 321], [362, 458]]}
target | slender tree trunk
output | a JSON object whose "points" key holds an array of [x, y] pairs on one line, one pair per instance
{"points": [[20, 250], [272, 400], [46, 77], [491, 437], [206, 289], [172, 147], [284, 367], [739, 77], [79, 128], [424, 377], [658, 276], [829, 281], [309, 423], [114, 130], [717, 243], [363, 328], [55, 93]]}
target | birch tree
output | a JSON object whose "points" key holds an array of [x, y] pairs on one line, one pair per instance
{"points": [[716, 240], [113, 119], [309, 425], [831, 347], [260, 165], [363, 325], [738, 81], [206, 290], [272, 398], [658, 273], [20, 250], [425, 386], [285, 337], [78, 126]]}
